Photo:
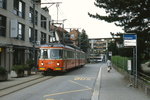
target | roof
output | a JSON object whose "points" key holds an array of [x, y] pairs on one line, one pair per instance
{"points": [[60, 45]]}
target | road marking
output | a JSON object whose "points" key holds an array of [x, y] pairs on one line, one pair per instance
{"points": [[82, 78], [50, 99], [80, 84], [95, 95], [60, 93]]}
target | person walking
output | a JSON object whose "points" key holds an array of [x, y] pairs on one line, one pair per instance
{"points": [[108, 65]]}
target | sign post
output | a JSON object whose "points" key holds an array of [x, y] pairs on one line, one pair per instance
{"points": [[130, 40]]}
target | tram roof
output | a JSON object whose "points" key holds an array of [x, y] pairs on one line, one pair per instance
{"points": [[60, 45]]}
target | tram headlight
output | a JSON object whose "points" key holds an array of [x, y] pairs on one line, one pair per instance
{"points": [[58, 64], [42, 64]]}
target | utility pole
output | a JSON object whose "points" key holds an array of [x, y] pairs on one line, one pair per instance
{"points": [[34, 58], [60, 23], [57, 5], [35, 2]]}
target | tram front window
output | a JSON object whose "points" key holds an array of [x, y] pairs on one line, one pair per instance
{"points": [[44, 54], [51, 54], [56, 54]]}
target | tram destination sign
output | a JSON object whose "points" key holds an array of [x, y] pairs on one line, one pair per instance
{"points": [[129, 40]]}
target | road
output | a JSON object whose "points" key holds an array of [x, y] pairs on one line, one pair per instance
{"points": [[77, 84]]}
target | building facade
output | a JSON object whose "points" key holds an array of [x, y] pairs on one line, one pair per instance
{"points": [[74, 36], [16, 31], [99, 48]]}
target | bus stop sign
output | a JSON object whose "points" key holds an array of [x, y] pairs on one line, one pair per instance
{"points": [[129, 40]]}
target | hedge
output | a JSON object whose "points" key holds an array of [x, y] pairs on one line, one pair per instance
{"points": [[120, 62]]}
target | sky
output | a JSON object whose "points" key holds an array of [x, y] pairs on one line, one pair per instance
{"points": [[76, 14]]}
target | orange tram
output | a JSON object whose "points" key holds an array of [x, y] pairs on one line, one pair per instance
{"points": [[60, 58]]}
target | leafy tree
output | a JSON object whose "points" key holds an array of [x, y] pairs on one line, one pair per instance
{"points": [[132, 15], [84, 41], [112, 47]]}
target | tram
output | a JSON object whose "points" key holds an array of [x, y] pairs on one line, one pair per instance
{"points": [[59, 57]]}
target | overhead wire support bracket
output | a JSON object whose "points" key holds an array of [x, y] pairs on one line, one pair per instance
{"points": [[52, 3]]}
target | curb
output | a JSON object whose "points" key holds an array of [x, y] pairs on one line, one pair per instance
{"points": [[96, 91]]}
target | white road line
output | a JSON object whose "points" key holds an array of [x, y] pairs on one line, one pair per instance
{"points": [[96, 91], [66, 92], [79, 84]]}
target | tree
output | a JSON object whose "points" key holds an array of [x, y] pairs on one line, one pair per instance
{"points": [[84, 41], [132, 15]]}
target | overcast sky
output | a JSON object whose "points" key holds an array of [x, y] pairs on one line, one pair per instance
{"points": [[76, 13]]}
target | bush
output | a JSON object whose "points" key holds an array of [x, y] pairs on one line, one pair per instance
{"points": [[3, 71], [18, 68], [120, 62], [30, 64]]}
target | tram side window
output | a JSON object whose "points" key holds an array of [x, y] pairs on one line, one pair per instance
{"points": [[70, 54], [64, 54], [74, 54], [79, 55]]}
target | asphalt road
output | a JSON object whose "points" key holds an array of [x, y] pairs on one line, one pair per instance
{"points": [[77, 84]]}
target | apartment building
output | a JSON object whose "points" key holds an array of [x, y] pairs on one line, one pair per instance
{"points": [[16, 30], [99, 48]]}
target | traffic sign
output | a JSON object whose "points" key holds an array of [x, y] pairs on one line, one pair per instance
{"points": [[129, 39]]}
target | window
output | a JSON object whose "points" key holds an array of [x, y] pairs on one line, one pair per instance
{"points": [[51, 54], [31, 35], [56, 54], [3, 4], [44, 54], [36, 17], [2, 25], [19, 8], [70, 54], [43, 22], [21, 31], [31, 16], [36, 35], [43, 38], [49, 27], [49, 39], [18, 56]]}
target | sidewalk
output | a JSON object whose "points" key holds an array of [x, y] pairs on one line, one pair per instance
{"points": [[115, 87], [17, 81]]}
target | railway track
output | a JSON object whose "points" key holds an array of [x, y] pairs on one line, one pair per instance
{"points": [[14, 88]]}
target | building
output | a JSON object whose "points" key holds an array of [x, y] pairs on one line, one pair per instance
{"points": [[99, 48], [16, 31], [60, 35], [74, 36]]}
